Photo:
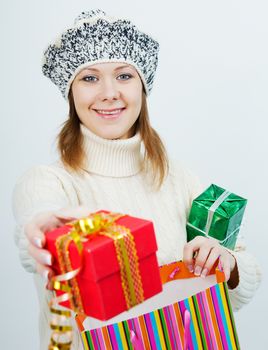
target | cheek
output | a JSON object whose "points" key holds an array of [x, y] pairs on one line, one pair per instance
{"points": [[138, 103], [82, 98], [135, 98]]}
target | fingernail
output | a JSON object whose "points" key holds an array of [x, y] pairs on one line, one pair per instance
{"points": [[204, 273], [38, 242], [47, 259], [45, 275], [197, 270], [190, 268]]}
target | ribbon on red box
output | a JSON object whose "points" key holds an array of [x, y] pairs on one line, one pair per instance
{"points": [[87, 228]]}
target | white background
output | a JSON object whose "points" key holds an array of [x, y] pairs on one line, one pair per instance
{"points": [[209, 104]]}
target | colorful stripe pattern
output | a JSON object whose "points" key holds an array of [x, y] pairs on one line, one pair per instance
{"points": [[211, 327]]}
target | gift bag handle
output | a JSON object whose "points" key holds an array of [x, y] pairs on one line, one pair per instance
{"points": [[135, 341], [187, 332]]}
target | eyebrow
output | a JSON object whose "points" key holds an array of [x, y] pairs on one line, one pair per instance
{"points": [[116, 69]]}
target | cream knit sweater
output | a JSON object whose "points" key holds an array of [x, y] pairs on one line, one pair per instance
{"points": [[112, 180]]}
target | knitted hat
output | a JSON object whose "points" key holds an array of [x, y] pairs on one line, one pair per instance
{"points": [[97, 38]]}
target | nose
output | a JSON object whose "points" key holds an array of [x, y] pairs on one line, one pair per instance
{"points": [[109, 90]]}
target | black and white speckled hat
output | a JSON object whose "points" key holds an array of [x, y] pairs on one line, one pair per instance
{"points": [[97, 38]]}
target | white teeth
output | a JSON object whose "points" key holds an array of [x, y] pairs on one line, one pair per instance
{"points": [[116, 111]]}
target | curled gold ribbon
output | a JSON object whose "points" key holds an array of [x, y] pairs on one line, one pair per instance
{"points": [[61, 337], [83, 229]]}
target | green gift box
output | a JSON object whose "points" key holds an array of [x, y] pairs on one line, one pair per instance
{"points": [[216, 213]]}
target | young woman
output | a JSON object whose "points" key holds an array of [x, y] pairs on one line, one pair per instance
{"points": [[111, 158]]}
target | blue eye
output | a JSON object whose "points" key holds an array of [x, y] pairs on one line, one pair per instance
{"points": [[89, 78], [125, 76]]}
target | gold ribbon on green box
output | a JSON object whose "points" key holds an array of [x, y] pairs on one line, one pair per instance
{"points": [[216, 213]]}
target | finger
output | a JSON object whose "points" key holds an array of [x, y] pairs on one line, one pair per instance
{"points": [[46, 273], [42, 256], [38, 225], [205, 255], [226, 266], [189, 250], [34, 234], [211, 259]]}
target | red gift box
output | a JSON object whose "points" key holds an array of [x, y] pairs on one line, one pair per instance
{"points": [[99, 281]]}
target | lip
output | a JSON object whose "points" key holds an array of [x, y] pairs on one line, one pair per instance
{"points": [[109, 116]]}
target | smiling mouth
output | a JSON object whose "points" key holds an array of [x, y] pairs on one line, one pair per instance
{"points": [[109, 113]]}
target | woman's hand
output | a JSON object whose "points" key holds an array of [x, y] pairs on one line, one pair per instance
{"points": [[35, 232], [201, 253]]}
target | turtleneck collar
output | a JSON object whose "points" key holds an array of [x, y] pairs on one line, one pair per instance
{"points": [[116, 158]]}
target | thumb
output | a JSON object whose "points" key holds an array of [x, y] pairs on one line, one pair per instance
{"points": [[47, 221], [35, 229], [71, 213]]}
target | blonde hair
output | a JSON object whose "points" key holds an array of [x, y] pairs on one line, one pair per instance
{"points": [[155, 161]]}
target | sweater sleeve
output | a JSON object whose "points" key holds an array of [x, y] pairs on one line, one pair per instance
{"points": [[249, 276], [41, 188]]}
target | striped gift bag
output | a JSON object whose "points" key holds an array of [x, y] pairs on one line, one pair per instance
{"points": [[203, 320]]}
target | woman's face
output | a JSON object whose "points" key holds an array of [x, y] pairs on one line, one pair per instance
{"points": [[108, 98]]}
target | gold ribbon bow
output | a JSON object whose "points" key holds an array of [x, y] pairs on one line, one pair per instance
{"points": [[83, 229]]}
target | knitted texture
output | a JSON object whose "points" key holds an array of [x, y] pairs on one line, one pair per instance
{"points": [[97, 38], [112, 180]]}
